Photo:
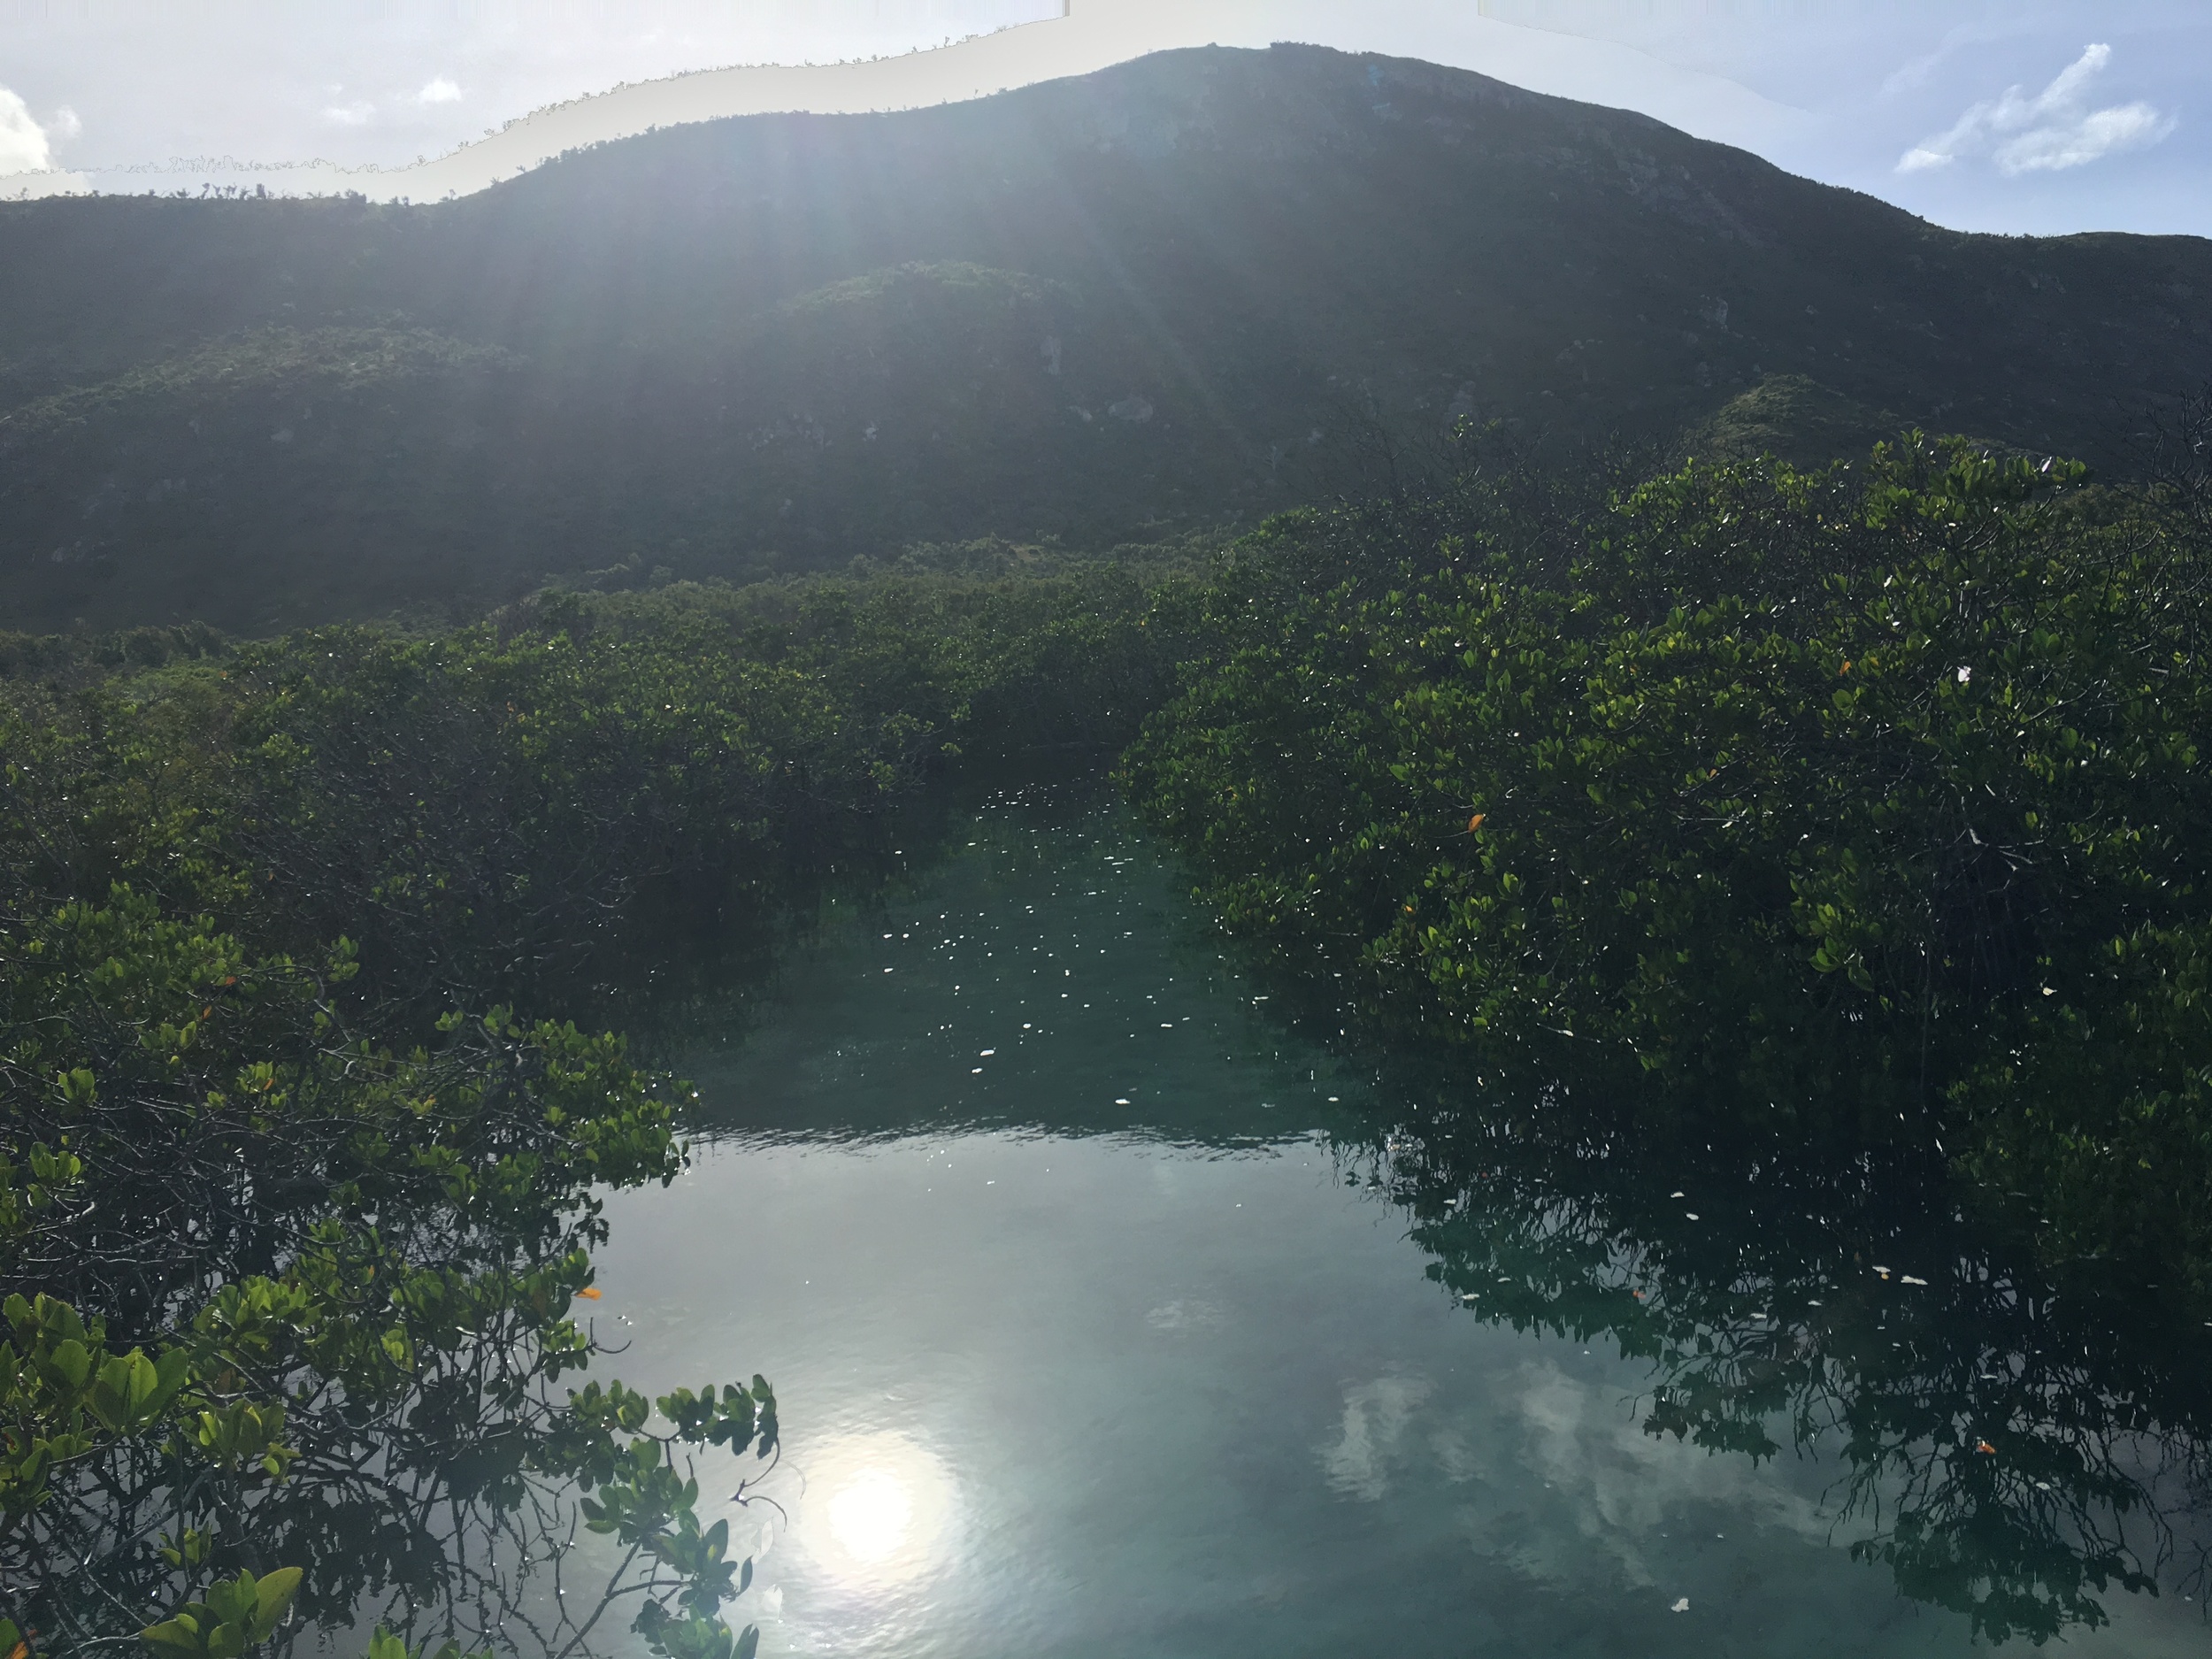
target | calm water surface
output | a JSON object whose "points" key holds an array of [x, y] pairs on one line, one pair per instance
{"points": [[1095, 1332]]}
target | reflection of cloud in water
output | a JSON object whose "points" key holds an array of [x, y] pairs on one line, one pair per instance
{"points": [[1376, 1416], [1628, 1485], [1183, 1314], [1608, 1484]]}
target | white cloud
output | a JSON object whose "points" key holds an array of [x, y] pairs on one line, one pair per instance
{"points": [[2051, 131], [439, 90], [2100, 133], [65, 125], [23, 145], [358, 114]]}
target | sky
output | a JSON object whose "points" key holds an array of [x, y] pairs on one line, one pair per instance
{"points": [[2035, 116]]}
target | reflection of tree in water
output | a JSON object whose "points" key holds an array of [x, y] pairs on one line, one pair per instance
{"points": [[2021, 1446]]}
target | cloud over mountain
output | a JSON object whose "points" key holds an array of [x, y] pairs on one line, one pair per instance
{"points": [[23, 143], [2054, 130]]}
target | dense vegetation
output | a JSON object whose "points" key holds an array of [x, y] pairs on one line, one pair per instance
{"points": [[1865, 802], [295, 1208], [1181, 292]]}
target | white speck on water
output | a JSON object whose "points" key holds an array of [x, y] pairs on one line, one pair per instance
{"points": [[1682, 1604]]}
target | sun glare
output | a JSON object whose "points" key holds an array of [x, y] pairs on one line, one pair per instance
{"points": [[881, 1511], [869, 1514]]}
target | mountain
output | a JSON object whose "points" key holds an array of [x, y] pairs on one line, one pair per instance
{"points": [[1181, 293]]}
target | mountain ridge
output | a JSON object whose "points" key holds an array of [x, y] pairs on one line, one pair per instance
{"points": [[1185, 290]]}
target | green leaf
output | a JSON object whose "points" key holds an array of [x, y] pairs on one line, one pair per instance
{"points": [[273, 1594], [181, 1634]]}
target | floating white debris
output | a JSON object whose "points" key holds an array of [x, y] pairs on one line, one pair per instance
{"points": [[1118, 1101], [1692, 1214], [1906, 1278], [987, 1053], [1678, 1194], [1681, 1604]]}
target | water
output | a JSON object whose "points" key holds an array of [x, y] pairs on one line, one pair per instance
{"points": [[1102, 1324]]}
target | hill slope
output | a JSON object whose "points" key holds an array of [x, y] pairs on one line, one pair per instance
{"points": [[1178, 291]]}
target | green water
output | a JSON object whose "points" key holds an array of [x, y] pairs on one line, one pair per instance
{"points": [[1112, 1314]]}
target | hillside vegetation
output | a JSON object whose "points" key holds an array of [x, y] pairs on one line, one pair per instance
{"points": [[1191, 290]]}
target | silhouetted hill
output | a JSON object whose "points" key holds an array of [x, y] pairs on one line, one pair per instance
{"points": [[1185, 290]]}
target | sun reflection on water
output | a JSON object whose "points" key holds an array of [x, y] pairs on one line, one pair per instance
{"points": [[877, 1510], [869, 1514]]}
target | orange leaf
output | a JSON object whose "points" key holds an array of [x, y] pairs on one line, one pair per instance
{"points": [[1846, 666], [1984, 1445], [590, 1292], [1475, 823]]}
